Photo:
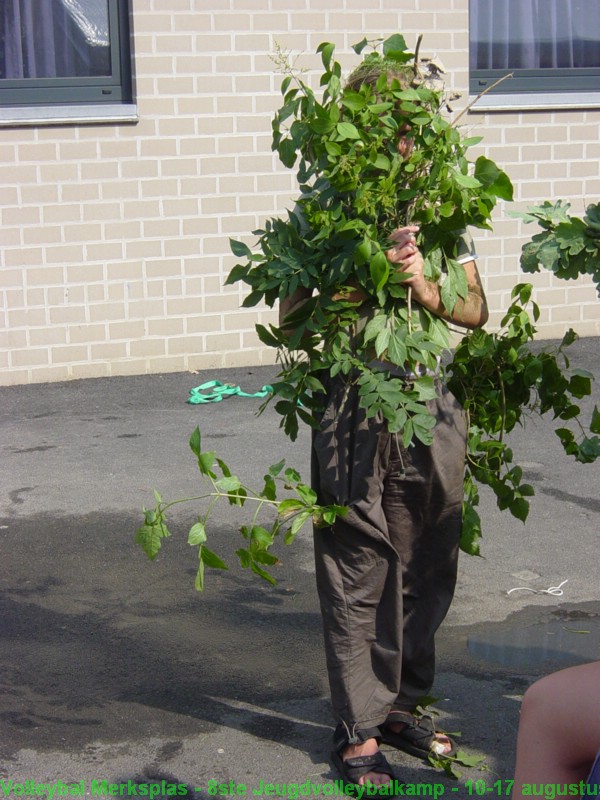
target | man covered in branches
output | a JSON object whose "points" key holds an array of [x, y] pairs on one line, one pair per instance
{"points": [[386, 571]]}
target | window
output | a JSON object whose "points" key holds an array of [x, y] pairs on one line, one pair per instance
{"points": [[551, 47], [63, 53]]}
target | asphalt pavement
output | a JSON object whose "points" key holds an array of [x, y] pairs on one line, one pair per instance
{"points": [[118, 678]]}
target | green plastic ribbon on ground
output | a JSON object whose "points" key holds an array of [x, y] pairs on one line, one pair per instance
{"points": [[215, 391]]}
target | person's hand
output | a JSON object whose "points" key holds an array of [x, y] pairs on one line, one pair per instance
{"points": [[407, 256]]}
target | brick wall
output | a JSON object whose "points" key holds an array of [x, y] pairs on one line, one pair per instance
{"points": [[115, 237]]}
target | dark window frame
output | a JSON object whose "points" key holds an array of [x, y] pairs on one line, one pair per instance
{"points": [[113, 89], [536, 81]]}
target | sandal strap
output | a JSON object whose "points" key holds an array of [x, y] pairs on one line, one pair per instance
{"points": [[424, 722], [358, 766]]}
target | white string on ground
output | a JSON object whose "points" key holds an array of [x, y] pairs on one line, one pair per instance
{"points": [[556, 591]]}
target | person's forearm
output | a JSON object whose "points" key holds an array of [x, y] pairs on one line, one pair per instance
{"points": [[472, 312]]}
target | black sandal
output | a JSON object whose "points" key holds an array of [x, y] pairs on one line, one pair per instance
{"points": [[352, 769], [417, 738]]}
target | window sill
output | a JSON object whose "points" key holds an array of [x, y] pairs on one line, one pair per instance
{"points": [[539, 101], [17, 116]]}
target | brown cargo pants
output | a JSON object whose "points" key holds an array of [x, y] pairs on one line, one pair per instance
{"points": [[386, 572]]}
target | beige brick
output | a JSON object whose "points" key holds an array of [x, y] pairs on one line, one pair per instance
{"points": [[145, 348], [96, 293], [45, 276], [122, 231], [11, 278], [165, 327], [26, 317], [254, 42], [155, 147], [146, 309], [234, 224], [67, 314], [82, 232], [13, 339], [222, 341], [178, 166], [18, 174], [42, 234], [108, 351], [536, 190], [65, 254], [143, 248], [106, 312], [104, 251], [184, 345], [101, 211], [95, 370], [85, 273], [181, 247], [33, 356], [61, 213], [35, 297], [566, 314], [131, 329], [80, 192], [183, 306], [77, 151], [196, 186], [120, 190], [47, 336], [115, 292], [180, 207], [200, 226], [203, 323], [219, 205], [117, 148], [158, 188], [236, 185], [139, 168], [79, 334], [583, 133], [567, 189]]}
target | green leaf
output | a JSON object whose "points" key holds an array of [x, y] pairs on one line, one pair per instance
{"points": [[195, 441], [261, 537], [211, 559], [394, 47], [228, 484], [380, 270], [149, 538], [263, 573], [326, 49], [199, 581], [239, 249], [346, 130], [360, 46], [382, 341], [595, 423], [206, 462], [353, 100], [374, 327], [466, 181], [275, 469], [493, 179], [197, 534]]}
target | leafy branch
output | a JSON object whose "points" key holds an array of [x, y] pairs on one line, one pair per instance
{"points": [[291, 514], [567, 246], [355, 190], [499, 379]]}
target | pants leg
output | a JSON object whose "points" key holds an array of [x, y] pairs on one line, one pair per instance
{"points": [[424, 513], [369, 617]]}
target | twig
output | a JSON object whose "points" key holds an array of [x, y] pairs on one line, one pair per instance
{"points": [[416, 61], [480, 95]]}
